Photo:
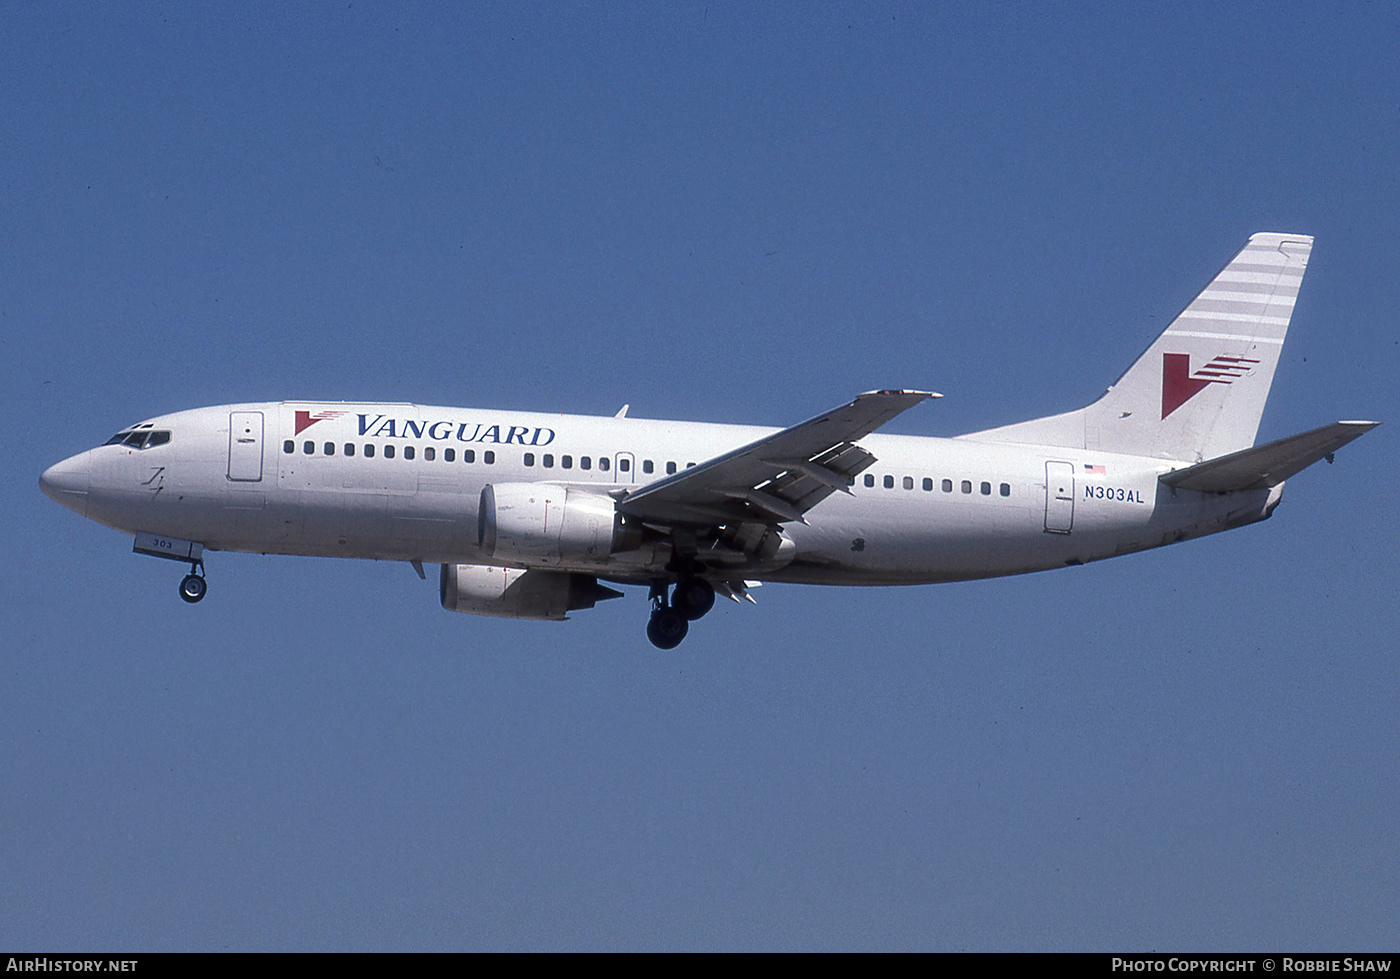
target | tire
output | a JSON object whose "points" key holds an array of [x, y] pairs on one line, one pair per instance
{"points": [[192, 588], [666, 628], [694, 597]]}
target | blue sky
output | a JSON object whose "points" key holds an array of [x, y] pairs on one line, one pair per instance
{"points": [[727, 212]]}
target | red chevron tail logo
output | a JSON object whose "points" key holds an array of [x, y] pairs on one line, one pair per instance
{"points": [[1180, 385]]}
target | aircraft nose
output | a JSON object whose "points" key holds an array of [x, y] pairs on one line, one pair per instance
{"points": [[67, 482]]}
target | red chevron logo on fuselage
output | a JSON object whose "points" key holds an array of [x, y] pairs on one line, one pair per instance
{"points": [[306, 419], [1179, 385]]}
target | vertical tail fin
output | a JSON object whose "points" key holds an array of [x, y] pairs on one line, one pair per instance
{"points": [[1199, 390]]}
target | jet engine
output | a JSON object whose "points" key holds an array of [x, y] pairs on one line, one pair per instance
{"points": [[541, 523], [512, 593]]}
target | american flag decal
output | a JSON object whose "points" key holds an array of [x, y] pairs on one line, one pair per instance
{"points": [[1095, 470]]}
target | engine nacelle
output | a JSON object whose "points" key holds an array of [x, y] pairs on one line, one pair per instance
{"points": [[541, 523], [512, 593]]}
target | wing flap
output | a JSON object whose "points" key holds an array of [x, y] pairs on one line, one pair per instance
{"points": [[1269, 464]]}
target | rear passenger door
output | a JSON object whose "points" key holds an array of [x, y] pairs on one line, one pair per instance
{"points": [[1059, 497]]}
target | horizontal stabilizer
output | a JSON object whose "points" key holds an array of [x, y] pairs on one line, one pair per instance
{"points": [[1269, 464]]}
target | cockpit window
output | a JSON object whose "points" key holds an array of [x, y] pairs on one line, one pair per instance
{"points": [[141, 438]]}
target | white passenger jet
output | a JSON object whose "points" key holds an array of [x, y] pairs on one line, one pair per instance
{"points": [[527, 512]]}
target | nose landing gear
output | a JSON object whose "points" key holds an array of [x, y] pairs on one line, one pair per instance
{"points": [[193, 586]]}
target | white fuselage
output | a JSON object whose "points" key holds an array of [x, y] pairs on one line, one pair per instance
{"points": [[402, 482]]}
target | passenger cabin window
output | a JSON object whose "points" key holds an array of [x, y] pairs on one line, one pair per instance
{"points": [[908, 482], [566, 462], [648, 466], [369, 451], [889, 482], [1005, 489], [670, 468], [529, 458], [388, 452], [288, 446], [986, 488], [429, 454], [548, 461], [947, 486], [603, 463], [488, 457], [350, 448], [624, 464], [967, 486], [329, 448], [928, 485], [469, 455], [308, 447], [449, 455], [408, 452], [585, 462], [869, 480]]}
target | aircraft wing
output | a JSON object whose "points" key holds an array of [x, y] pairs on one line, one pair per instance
{"points": [[778, 478], [1269, 464]]}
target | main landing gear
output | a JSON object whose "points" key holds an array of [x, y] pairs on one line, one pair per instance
{"points": [[669, 623], [193, 585]]}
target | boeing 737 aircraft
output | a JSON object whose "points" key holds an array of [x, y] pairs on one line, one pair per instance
{"points": [[526, 513]]}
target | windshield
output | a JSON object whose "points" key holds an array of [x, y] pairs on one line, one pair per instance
{"points": [[141, 438]]}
